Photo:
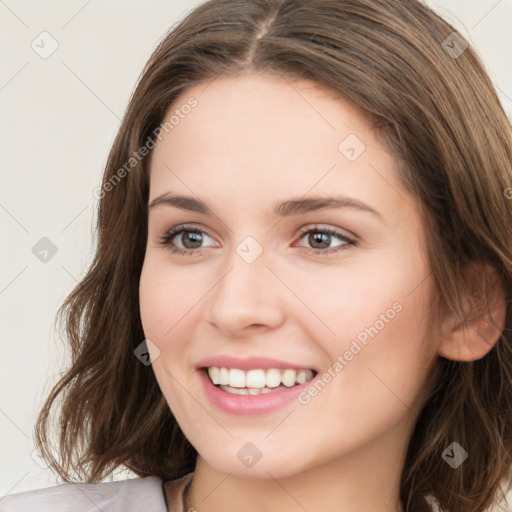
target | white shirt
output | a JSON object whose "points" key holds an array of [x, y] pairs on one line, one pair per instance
{"points": [[131, 495]]}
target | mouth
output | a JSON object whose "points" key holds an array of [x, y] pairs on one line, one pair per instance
{"points": [[257, 381]]}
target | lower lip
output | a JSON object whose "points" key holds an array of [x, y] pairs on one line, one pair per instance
{"points": [[249, 404]]}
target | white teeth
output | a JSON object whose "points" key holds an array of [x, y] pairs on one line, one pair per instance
{"points": [[289, 377], [258, 380], [273, 378], [255, 379], [223, 377], [248, 391], [236, 378], [302, 376], [238, 391], [214, 372]]}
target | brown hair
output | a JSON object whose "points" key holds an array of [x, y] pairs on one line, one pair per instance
{"points": [[439, 116]]}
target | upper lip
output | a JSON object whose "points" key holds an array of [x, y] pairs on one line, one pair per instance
{"points": [[250, 363]]}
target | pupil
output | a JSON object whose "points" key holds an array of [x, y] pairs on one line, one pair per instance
{"points": [[313, 238], [191, 235]]}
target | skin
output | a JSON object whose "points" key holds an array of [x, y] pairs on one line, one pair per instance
{"points": [[251, 141]]}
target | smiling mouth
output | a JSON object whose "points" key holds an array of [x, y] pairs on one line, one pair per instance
{"points": [[257, 381]]}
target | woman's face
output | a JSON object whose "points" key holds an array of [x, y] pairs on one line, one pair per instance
{"points": [[341, 290]]}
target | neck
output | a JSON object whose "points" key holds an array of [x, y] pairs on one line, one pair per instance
{"points": [[362, 481]]}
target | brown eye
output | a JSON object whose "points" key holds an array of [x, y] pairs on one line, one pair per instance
{"points": [[316, 237], [321, 238], [190, 237]]}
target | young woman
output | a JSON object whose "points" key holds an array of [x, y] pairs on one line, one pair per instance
{"points": [[301, 293]]}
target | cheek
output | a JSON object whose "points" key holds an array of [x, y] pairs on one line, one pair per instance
{"points": [[363, 298], [163, 299], [377, 316], [167, 316], [384, 357]]}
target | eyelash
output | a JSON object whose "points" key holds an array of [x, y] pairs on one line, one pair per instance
{"points": [[166, 240]]}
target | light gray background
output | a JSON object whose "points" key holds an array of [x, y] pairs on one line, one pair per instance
{"points": [[58, 119]]}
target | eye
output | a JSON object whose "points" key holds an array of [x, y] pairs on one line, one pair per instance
{"points": [[193, 239], [323, 237]]}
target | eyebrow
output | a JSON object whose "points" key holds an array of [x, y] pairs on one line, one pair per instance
{"points": [[280, 209]]}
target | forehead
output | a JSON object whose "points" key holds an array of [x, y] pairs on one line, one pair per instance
{"points": [[259, 101], [260, 138]]}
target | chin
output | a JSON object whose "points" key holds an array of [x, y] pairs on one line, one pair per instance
{"points": [[280, 465]]}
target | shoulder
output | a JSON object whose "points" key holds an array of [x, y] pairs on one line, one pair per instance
{"points": [[121, 496]]}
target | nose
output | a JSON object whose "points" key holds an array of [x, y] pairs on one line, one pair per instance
{"points": [[248, 296]]}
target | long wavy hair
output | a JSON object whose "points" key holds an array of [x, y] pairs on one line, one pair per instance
{"points": [[439, 116]]}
